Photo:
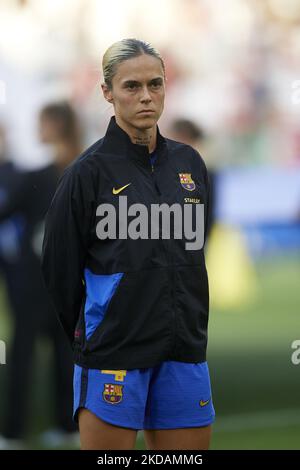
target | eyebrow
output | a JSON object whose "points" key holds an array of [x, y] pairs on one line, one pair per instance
{"points": [[135, 82]]}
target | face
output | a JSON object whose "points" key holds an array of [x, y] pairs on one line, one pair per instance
{"points": [[49, 130], [138, 85]]}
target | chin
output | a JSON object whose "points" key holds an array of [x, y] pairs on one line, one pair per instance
{"points": [[146, 122]]}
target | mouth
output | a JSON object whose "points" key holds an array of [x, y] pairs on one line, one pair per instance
{"points": [[146, 111]]}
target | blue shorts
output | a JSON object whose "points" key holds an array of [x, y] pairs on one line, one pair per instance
{"points": [[168, 396]]}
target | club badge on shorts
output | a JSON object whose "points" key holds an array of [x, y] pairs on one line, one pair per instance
{"points": [[113, 393], [186, 181]]}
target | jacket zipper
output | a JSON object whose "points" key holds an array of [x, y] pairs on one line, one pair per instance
{"points": [[171, 271]]}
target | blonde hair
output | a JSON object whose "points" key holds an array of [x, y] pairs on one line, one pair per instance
{"points": [[124, 50]]}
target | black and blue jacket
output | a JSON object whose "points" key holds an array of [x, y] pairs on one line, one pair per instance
{"points": [[127, 303]]}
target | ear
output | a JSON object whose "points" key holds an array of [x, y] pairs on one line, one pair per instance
{"points": [[107, 93]]}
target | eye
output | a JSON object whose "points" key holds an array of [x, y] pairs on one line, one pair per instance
{"points": [[156, 85], [131, 86]]}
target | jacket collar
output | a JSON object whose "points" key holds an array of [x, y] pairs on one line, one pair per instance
{"points": [[117, 141]]}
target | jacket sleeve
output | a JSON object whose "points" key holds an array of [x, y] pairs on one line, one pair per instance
{"points": [[65, 245], [208, 215], [208, 188]]}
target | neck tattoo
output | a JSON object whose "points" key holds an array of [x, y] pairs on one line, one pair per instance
{"points": [[142, 140]]}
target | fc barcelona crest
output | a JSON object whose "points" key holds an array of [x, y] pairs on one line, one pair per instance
{"points": [[113, 393], [186, 181]]}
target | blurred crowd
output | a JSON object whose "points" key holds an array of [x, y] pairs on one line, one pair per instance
{"points": [[232, 67], [233, 92]]}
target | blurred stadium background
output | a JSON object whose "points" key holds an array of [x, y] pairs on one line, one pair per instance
{"points": [[233, 69]]}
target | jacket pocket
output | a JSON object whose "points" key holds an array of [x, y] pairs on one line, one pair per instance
{"points": [[192, 301]]}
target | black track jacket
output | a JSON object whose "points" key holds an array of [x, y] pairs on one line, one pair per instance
{"points": [[127, 303]]}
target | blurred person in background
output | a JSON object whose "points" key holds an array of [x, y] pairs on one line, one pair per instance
{"points": [[188, 132], [59, 128], [21, 273], [25, 199], [132, 309]]}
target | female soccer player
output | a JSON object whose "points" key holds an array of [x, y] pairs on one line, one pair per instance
{"points": [[126, 270]]}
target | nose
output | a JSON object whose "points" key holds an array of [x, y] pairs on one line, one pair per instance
{"points": [[145, 96]]}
